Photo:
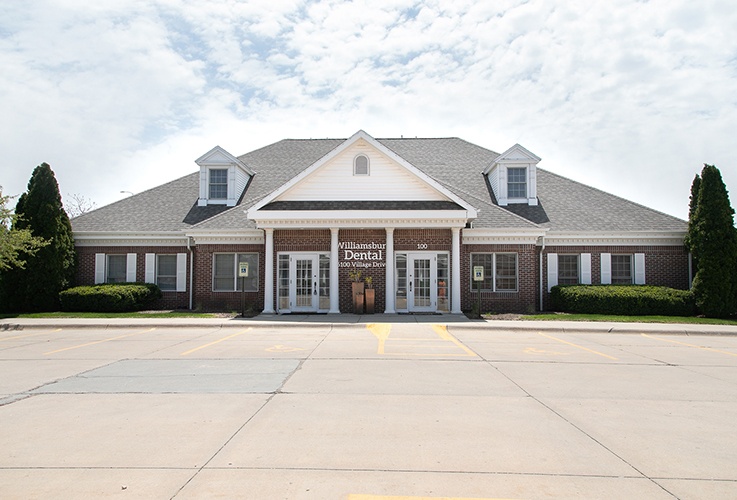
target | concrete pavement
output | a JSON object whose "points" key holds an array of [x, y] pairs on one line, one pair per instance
{"points": [[365, 410], [323, 320]]}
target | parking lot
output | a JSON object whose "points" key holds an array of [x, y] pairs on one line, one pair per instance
{"points": [[418, 408]]}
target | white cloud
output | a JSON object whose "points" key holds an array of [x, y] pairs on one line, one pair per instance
{"points": [[631, 97]]}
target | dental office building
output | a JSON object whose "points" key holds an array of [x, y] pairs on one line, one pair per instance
{"points": [[415, 215]]}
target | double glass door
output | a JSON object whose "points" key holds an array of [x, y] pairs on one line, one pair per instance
{"points": [[421, 282], [304, 282]]}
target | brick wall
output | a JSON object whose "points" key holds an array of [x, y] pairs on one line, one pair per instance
{"points": [[86, 270], [664, 265], [525, 299], [377, 273], [206, 298]]}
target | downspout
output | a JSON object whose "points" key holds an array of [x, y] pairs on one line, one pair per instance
{"points": [[191, 267], [542, 287]]}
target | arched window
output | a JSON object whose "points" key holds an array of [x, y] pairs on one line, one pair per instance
{"points": [[361, 165]]}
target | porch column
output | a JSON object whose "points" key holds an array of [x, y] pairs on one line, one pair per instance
{"points": [[455, 272], [334, 278], [389, 290], [269, 272]]}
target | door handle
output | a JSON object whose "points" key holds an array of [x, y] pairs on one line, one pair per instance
{"points": [[314, 288], [410, 285]]}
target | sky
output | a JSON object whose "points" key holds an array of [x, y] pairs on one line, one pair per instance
{"points": [[631, 97]]}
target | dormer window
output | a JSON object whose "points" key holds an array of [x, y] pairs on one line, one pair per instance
{"points": [[223, 178], [218, 183], [513, 176], [517, 182], [361, 165]]}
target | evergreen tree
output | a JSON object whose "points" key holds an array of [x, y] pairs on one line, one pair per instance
{"points": [[692, 204], [713, 241], [51, 269]]}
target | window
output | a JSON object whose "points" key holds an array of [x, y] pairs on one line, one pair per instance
{"points": [[568, 270], [166, 272], [517, 183], [361, 165], [218, 183], [500, 271], [116, 269], [225, 272], [621, 269]]}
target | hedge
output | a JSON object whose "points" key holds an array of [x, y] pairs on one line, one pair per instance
{"points": [[633, 300], [110, 297]]}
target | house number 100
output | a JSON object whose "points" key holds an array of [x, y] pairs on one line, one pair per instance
{"points": [[422, 246]]}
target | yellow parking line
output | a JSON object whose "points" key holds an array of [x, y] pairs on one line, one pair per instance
{"points": [[99, 341], [690, 345], [443, 333], [217, 341], [381, 332], [29, 335], [578, 346]]}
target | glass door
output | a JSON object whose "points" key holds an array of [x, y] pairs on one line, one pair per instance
{"points": [[416, 281], [304, 282]]}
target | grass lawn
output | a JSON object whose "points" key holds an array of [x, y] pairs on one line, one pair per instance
{"points": [[136, 314]]}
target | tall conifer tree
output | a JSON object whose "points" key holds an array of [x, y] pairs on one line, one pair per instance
{"points": [[52, 268], [713, 242]]}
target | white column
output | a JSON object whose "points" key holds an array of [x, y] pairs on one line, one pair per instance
{"points": [[389, 290], [269, 272], [334, 273], [455, 271]]}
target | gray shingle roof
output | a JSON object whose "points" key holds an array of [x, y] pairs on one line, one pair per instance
{"points": [[565, 205]]}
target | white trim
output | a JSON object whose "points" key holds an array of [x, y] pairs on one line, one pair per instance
{"points": [[218, 157], [504, 158], [585, 268], [181, 272], [552, 270], [606, 269], [632, 238], [352, 219], [118, 239], [150, 268], [130, 268]]}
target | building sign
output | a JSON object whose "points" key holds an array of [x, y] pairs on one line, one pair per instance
{"points": [[354, 254], [243, 269], [478, 273]]}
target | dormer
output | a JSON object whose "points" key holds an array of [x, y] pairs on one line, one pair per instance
{"points": [[223, 177], [513, 176]]}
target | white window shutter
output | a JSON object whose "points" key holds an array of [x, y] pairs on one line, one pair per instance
{"points": [[606, 269], [181, 272], [99, 268], [130, 268], [150, 271], [639, 269], [585, 268], [552, 270]]}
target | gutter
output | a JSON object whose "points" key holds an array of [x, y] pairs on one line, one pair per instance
{"points": [[542, 248], [191, 269]]}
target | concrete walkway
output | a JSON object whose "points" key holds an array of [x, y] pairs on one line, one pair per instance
{"points": [[322, 320]]}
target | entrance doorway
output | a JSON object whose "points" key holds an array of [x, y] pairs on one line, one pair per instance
{"points": [[421, 282], [304, 282]]}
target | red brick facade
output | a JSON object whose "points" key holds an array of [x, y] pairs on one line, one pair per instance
{"points": [[664, 265]]}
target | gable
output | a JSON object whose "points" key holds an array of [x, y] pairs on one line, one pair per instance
{"points": [[386, 180]]}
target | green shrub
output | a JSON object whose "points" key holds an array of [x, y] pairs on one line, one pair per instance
{"points": [[632, 300], [110, 297]]}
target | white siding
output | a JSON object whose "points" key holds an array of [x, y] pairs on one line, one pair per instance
{"points": [[241, 180], [494, 181], [387, 180]]}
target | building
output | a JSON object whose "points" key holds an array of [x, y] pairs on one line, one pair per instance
{"points": [[416, 215]]}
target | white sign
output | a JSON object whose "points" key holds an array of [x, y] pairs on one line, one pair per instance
{"points": [[478, 273], [243, 269]]}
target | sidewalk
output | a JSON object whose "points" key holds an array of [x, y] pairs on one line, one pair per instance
{"points": [[458, 321]]}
